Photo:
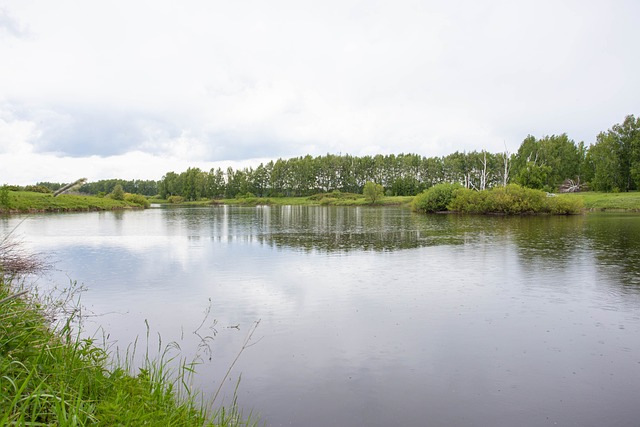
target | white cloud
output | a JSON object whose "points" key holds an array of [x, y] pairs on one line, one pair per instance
{"points": [[214, 81]]}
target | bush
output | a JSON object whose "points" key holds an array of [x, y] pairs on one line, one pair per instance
{"points": [[512, 200], [564, 205], [137, 199], [38, 189], [373, 192], [247, 195], [435, 199], [117, 193], [175, 199]]}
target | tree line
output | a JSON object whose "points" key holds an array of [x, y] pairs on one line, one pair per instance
{"points": [[612, 163]]}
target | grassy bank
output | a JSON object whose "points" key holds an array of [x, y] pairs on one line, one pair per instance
{"points": [[25, 201], [324, 199], [49, 378], [594, 201]]}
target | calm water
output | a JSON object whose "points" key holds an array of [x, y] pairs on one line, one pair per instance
{"points": [[372, 317]]}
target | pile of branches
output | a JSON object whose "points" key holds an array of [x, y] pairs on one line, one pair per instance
{"points": [[571, 186]]}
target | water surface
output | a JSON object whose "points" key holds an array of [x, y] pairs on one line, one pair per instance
{"points": [[373, 317]]}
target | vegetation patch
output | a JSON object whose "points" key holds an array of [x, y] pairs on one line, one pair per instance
{"points": [[596, 201], [510, 200], [335, 198], [27, 201], [435, 199]]}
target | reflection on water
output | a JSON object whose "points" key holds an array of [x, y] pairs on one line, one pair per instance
{"points": [[376, 317]]}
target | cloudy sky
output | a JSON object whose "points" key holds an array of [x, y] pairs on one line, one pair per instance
{"points": [[134, 89]]}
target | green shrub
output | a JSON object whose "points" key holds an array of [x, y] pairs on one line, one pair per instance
{"points": [[247, 195], [137, 199], [564, 205], [468, 201], [512, 200], [175, 199], [435, 199], [5, 200], [38, 189], [373, 192], [117, 193]]}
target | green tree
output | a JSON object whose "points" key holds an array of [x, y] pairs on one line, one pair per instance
{"points": [[373, 192], [558, 153], [117, 193], [614, 160], [534, 176], [215, 184]]}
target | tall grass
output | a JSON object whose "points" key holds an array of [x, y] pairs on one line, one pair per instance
{"points": [[49, 375]]}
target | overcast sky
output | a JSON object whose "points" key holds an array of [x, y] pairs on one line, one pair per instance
{"points": [[134, 89]]}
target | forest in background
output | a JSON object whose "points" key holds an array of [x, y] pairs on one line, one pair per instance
{"points": [[552, 163]]}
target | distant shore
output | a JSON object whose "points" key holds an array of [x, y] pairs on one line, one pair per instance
{"points": [[21, 202]]}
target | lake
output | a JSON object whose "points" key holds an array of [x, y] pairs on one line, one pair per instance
{"points": [[369, 316]]}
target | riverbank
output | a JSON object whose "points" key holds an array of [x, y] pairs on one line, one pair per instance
{"points": [[322, 199], [27, 202], [592, 201], [31, 202], [51, 377]]}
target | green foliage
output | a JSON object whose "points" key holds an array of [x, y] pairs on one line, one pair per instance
{"points": [[545, 163], [565, 205], [5, 198], [24, 201], [435, 199], [106, 186], [534, 176], [373, 192], [50, 377], [513, 200], [53, 186], [613, 162], [38, 189], [137, 199], [175, 199], [117, 193]]}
